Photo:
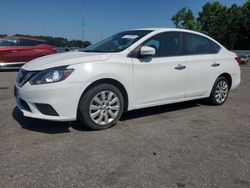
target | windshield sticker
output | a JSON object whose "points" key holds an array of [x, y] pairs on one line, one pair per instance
{"points": [[130, 36]]}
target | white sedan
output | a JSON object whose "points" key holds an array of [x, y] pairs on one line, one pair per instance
{"points": [[130, 70]]}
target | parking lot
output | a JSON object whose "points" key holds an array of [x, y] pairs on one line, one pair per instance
{"points": [[190, 144]]}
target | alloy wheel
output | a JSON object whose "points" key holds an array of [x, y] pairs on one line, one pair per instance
{"points": [[221, 91], [104, 107]]}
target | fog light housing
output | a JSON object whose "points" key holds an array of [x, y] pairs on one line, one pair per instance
{"points": [[46, 109]]}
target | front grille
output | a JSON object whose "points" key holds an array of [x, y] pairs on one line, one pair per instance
{"points": [[23, 76]]}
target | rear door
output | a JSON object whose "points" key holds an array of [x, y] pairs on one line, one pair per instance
{"points": [[200, 53], [8, 50], [28, 49], [26, 52]]}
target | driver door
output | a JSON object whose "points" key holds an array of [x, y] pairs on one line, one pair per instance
{"points": [[160, 78]]}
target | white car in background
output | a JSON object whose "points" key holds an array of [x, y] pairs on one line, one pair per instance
{"points": [[130, 70]]}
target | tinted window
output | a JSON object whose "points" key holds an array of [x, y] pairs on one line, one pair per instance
{"points": [[195, 44], [214, 48], [165, 44], [25, 42], [8, 42]]}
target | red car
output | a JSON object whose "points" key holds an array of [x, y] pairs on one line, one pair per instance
{"points": [[15, 50]]}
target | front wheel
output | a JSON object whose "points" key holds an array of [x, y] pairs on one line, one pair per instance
{"points": [[101, 107], [220, 91]]}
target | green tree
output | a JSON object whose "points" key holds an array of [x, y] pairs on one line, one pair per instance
{"points": [[212, 20], [185, 19], [228, 25], [243, 41], [61, 42], [232, 27]]}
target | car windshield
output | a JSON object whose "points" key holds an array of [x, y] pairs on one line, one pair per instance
{"points": [[118, 42], [8, 42]]}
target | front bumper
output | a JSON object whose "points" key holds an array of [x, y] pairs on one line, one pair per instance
{"points": [[236, 79], [62, 97]]}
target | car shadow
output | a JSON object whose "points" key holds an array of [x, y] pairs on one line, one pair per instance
{"points": [[51, 127], [160, 109], [45, 126]]}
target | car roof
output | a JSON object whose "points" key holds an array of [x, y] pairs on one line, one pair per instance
{"points": [[168, 29], [27, 38], [159, 30]]}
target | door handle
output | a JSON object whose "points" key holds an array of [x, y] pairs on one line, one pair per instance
{"points": [[14, 51], [180, 67], [215, 65]]}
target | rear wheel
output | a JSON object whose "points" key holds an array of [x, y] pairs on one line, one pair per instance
{"points": [[101, 107], [220, 91]]}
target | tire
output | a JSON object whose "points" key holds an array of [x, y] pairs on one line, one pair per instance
{"points": [[219, 92], [97, 113]]}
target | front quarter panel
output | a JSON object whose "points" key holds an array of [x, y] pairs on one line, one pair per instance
{"points": [[119, 69]]}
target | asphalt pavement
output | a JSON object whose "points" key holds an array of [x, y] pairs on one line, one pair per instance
{"points": [[190, 144]]}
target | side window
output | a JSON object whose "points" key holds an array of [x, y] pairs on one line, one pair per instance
{"points": [[195, 44], [153, 43], [25, 42], [214, 48], [8, 42], [165, 44]]}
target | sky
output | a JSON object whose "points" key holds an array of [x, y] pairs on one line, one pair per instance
{"points": [[102, 17]]}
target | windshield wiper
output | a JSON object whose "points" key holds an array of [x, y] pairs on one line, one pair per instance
{"points": [[98, 51], [92, 51]]}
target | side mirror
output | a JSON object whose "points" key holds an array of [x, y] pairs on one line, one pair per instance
{"points": [[147, 51]]}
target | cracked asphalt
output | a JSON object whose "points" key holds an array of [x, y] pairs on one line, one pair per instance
{"points": [[189, 144]]}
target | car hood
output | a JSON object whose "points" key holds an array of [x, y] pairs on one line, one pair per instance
{"points": [[62, 59]]}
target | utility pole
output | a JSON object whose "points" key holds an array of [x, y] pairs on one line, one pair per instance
{"points": [[83, 20]]}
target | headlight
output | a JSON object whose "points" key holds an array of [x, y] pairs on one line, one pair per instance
{"points": [[51, 75]]}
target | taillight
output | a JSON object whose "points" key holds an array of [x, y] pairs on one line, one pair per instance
{"points": [[238, 60], [54, 48]]}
